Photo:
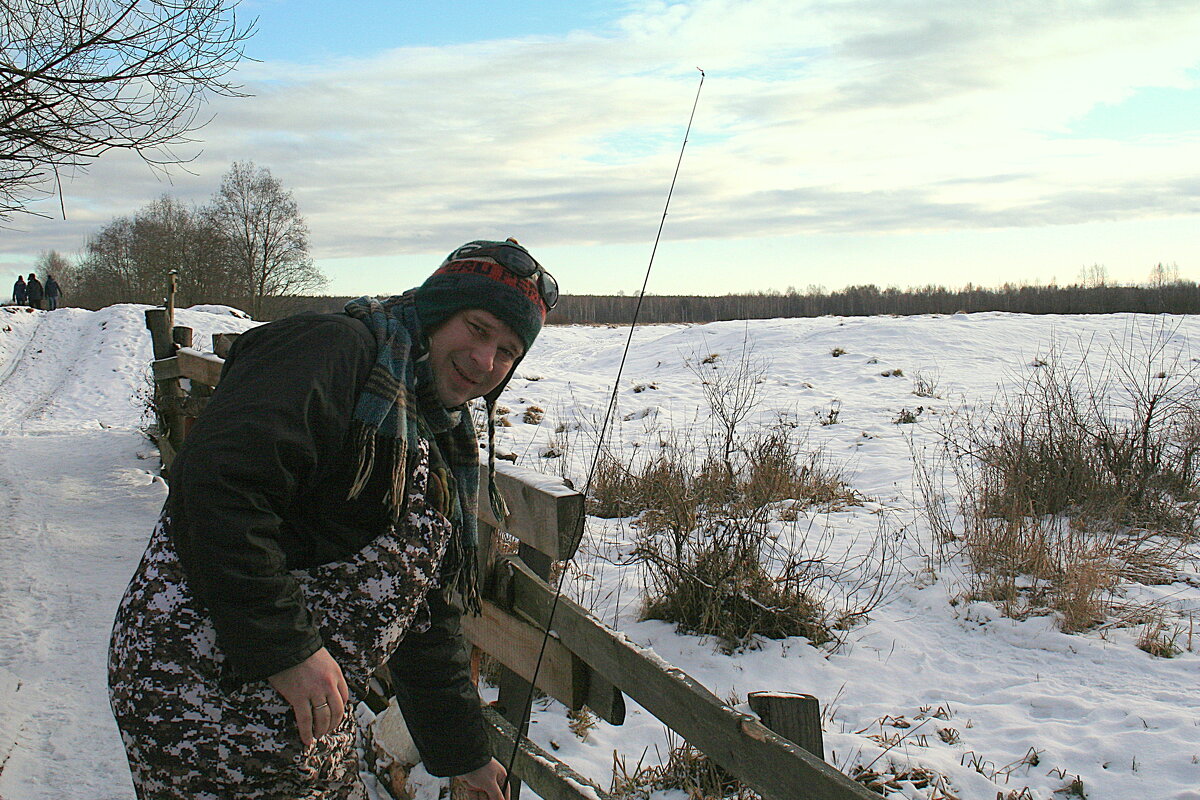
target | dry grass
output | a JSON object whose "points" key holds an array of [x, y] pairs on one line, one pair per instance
{"points": [[709, 561], [707, 512], [717, 586], [1081, 480], [685, 770], [896, 780]]}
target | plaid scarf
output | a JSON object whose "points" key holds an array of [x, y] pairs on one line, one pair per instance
{"points": [[399, 405]]}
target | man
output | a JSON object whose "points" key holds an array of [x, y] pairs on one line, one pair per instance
{"points": [[321, 520], [33, 288], [53, 292], [20, 291]]}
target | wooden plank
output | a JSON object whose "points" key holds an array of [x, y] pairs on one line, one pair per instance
{"points": [[222, 342], [563, 676], [516, 643], [166, 369], [543, 512], [760, 758], [202, 367], [545, 774]]}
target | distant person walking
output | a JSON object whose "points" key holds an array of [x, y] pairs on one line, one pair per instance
{"points": [[20, 291], [34, 287], [53, 292]]}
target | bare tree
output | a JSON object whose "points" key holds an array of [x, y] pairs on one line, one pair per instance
{"points": [[81, 77], [109, 271], [169, 235], [1164, 274], [52, 262], [268, 238], [128, 259]]}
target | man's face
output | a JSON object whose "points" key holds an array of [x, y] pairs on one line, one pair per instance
{"points": [[470, 354]]}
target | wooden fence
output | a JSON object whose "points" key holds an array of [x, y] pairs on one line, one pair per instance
{"points": [[586, 664]]}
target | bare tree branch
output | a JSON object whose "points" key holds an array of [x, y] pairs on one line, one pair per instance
{"points": [[81, 77]]}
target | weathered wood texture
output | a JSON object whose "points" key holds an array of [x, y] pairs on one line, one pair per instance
{"points": [[160, 332], [202, 367], [763, 760], [563, 675], [191, 364], [545, 774], [543, 513], [795, 717], [167, 392], [222, 342]]}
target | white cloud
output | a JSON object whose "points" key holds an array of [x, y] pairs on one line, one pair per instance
{"points": [[816, 117]]}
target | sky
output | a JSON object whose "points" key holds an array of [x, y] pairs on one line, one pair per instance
{"points": [[833, 144]]}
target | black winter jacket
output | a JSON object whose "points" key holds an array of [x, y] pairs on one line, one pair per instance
{"points": [[260, 488]]}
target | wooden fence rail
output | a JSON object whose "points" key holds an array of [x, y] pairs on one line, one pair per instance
{"points": [[586, 663]]}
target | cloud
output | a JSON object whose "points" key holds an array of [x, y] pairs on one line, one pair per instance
{"points": [[861, 116]]}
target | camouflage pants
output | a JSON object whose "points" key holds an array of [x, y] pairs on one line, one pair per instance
{"points": [[190, 733]]}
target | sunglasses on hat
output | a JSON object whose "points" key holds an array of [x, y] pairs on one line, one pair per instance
{"points": [[515, 259]]}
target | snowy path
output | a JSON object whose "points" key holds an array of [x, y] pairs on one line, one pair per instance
{"points": [[78, 490]]}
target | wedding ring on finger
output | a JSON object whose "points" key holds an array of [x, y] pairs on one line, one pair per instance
{"points": [[323, 705]]}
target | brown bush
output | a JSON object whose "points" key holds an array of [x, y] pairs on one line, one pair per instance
{"points": [[1080, 480]]}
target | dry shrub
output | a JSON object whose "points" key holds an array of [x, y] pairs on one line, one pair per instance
{"points": [[662, 489], [1025, 565], [670, 489], [780, 467], [1119, 443], [716, 585], [1082, 479], [686, 770], [711, 561]]}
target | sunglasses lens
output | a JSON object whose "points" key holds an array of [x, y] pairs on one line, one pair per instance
{"points": [[517, 261], [548, 287]]}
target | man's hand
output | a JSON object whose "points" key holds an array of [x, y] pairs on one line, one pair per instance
{"points": [[317, 693], [490, 781]]}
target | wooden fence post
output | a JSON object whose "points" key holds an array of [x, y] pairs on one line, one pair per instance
{"points": [[166, 392], [171, 284], [796, 717], [181, 336], [516, 695]]}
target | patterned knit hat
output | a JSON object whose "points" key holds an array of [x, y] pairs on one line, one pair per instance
{"points": [[463, 282]]}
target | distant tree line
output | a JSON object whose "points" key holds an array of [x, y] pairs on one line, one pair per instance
{"points": [[1173, 297], [248, 247], [1169, 295]]}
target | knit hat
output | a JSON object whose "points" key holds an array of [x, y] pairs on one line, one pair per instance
{"points": [[481, 282]]}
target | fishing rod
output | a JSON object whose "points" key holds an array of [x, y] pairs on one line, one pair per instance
{"points": [[523, 729]]}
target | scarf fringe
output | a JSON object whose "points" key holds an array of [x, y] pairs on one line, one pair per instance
{"points": [[499, 507], [363, 438]]}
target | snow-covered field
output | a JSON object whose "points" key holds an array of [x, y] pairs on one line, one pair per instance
{"points": [[79, 492]]}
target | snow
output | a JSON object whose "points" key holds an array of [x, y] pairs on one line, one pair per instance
{"points": [[79, 493]]}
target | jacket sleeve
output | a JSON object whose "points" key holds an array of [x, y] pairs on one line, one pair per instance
{"points": [[431, 679], [284, 404]]}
